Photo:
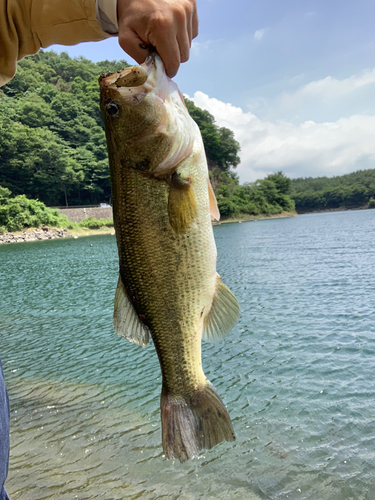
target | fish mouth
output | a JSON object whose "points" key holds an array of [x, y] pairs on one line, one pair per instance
{"points": [[129, 87], [128, 77], [134, 83]]}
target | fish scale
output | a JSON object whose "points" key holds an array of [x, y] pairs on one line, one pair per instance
{"points": [[168, 286], [148, 247]]}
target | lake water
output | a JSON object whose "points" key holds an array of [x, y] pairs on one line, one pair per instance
{"points": [[297, 373]]}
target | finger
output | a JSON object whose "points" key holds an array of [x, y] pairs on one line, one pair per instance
{"points": [[168, 49], [184, 45], [133, 45], [189, 28], [195, 23], [163, 37]]}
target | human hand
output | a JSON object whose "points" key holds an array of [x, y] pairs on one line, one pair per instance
{"points": [[168, 25]]}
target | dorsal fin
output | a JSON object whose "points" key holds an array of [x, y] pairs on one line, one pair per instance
{"points": [[214, 209], [126, 320], [223, 315]]}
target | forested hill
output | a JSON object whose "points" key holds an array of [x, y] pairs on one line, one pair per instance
{"points": [[52, 143], [53, 149], [345, 191]]}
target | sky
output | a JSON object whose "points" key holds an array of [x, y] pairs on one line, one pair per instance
{"points": [[294, 80]]}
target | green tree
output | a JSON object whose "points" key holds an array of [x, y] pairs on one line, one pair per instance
{"points": [[19, 212], [282, 182], [345, 191], [220, 145], [33, 161]]}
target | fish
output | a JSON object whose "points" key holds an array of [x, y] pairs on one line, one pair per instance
{"points": [[168, 287]]}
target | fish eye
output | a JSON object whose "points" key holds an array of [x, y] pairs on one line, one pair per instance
{"points": [[112, 109]]}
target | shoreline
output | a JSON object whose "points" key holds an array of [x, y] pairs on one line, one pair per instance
{"points": [[53, 233], [340, 209], [45, 233], [83, 231], [253, 218]]}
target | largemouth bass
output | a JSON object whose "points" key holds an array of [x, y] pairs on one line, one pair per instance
{"points": [[168, 286]]}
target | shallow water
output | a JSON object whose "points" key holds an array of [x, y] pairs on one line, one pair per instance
{"points": [[297, 373]]}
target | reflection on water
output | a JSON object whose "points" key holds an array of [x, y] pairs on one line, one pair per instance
{"points": [[297, 373]]}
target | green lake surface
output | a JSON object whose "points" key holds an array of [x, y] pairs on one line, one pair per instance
{"points": [[297, 373]]}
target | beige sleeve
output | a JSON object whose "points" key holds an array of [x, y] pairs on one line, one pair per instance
{"points": [[28, 25]]}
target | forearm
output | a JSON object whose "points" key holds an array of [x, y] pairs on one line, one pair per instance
{"points": [[28, 25]]}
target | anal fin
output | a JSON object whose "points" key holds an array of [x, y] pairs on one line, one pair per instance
{"points": [[223, 315], [126, 320]]}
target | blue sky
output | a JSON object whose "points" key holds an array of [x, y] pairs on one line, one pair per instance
{"points": [[295, 81]]}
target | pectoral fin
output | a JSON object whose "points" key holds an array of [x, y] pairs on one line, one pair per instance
{"points": [[182, 203], [126, 320], [223, 315]]}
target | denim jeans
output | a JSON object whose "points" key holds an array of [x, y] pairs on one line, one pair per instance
{"points": [[4, 435]]}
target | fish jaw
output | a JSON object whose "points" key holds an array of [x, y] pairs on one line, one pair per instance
{"points": [[146, 116]]}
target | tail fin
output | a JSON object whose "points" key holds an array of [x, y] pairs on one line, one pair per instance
{"points": [[192, 422]]}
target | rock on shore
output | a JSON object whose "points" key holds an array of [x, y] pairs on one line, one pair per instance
{"points": [[43, 233]]}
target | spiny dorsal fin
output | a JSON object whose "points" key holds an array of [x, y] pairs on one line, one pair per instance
{"points": [[214, 209], [182, 203], [223, 315], [126, 320]]}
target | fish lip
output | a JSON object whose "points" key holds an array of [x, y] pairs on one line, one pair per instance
{"points": [[110, 79], [157, 81], [174, 120]]}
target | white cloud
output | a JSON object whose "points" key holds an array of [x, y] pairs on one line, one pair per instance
{"points": [[323, 100], [305, 149], [327, 89], [259, 34], [198, 47]]}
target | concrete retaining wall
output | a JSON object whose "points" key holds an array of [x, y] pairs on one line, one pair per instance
{"points": [[78, 214]]}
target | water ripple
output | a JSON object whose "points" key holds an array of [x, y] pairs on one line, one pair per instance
{"points": [[297, 373]]}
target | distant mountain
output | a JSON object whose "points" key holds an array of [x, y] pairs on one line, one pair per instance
{"points": [[355, 190]]}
